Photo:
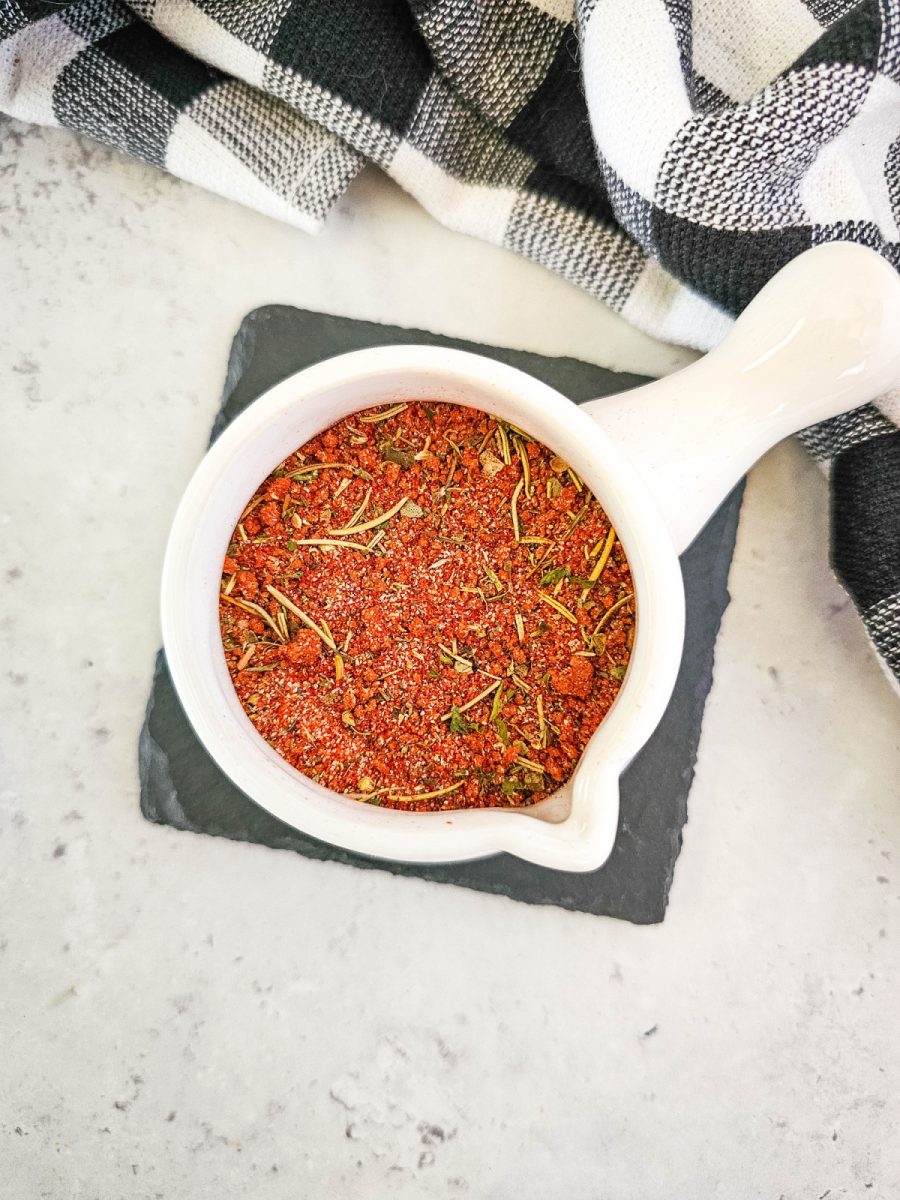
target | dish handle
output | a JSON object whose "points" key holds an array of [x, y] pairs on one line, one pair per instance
{"points": [[821, 338]]}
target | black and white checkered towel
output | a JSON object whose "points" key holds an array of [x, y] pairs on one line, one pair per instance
{"points": [[667, 156]]}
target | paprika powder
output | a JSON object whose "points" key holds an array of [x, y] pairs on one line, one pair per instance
{"points": [[425, 608]]}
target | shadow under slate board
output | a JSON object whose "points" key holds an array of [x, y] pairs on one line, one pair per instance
{"points": [[182, 786]]}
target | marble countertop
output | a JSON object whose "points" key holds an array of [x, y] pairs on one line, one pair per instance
{"points": [[184, 1016]]}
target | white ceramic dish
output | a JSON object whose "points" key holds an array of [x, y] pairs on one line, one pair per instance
{"points": [[821, 338]]}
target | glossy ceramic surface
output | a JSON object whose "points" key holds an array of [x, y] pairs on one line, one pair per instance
{"points": [[821, 338]]}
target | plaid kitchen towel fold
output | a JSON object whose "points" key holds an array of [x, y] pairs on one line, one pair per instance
{"points": [[666, 156]]}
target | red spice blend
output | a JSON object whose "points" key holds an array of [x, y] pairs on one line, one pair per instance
{"points": [[424, 608]]}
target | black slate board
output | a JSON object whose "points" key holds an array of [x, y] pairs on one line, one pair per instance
{"points": [[182, 786]]}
